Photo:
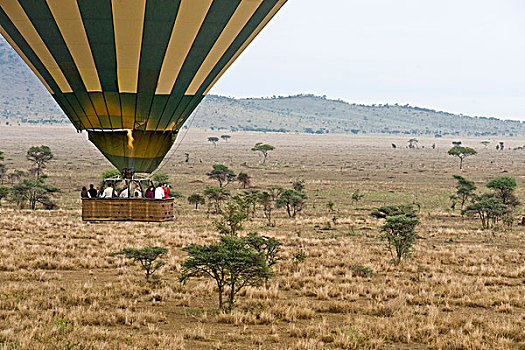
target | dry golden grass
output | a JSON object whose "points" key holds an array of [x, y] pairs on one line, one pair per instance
{"points": [[464, 288]]}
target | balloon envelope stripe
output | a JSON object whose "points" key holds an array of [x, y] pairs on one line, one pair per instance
{"points": [[69, 20], [128, 24]]}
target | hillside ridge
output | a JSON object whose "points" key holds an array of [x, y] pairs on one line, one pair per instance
{"points": [[23, 99]]}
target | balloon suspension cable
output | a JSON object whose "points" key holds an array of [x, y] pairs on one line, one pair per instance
{"points": [[180, 142]]}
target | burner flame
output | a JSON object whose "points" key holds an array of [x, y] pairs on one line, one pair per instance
{"points": [[130, 139]]}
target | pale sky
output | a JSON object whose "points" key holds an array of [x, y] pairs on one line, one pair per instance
{"points": [[461, 56]]}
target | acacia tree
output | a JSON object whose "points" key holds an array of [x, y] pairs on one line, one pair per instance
{"points": [[504, 187], [196, 199], [231, 262], [244, 179], [269, 246], [225, 137], [464, 189], [487, 208], [462, 153], [275, 191], [267, 202], [298, 185], [398, 229], [222, 174], [293, 201], [400, 235], [357, 196], [39, 156], [146, 257], [33, 191], [232, 216], [394, 210], [216, 195], [213, 140], [264, 149]]}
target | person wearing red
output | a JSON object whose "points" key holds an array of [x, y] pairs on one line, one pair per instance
{"points": [[167, 191]]}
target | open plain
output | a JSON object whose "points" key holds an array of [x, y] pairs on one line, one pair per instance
{"points": [[463, 288]]}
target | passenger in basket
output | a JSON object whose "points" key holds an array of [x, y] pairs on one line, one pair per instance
{"points": [[159, 192], [84, 193], [138, 192], [167, 190], [124, 193], [108, 192], [92, 192], [150, 192]]}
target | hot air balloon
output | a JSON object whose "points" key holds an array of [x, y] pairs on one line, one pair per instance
{"points": [[130, 72]]}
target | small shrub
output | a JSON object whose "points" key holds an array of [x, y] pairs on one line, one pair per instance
{"points": [[362, 271], [299, 257], [146, 257]]}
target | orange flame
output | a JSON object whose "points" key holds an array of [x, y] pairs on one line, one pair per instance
{"points": [[130, 139]]}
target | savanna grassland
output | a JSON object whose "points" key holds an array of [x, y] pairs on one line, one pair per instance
{"points": [[463, 288]]}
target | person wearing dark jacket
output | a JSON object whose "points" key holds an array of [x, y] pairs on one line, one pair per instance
{"points": [[92, 192], [84, 193]]}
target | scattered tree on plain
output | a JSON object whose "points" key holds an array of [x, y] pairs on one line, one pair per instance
{"points": [[268, 246], [299, 185], [293, 201], [394, 210], [465, 189], [504, 187], [34, 191], [398, 230], [213, 140], [231, 263], [216, 195], [264, 149], [222, 174], [250, 198], [487, 208], [456, 143], [485, 143], [232, 216], [244, 179], [462, 153], [39, 156], [146, 257], [275, 191], [196, 199], [225, 137], [357, 196], [268, 203]]}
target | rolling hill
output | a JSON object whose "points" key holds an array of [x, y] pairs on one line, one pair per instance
{"points": [[23, 99]]}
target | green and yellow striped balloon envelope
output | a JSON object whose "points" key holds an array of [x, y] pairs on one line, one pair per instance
{"points": [[131, 72]]}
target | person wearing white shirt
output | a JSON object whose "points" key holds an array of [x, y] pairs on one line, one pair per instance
{"points": [[124, 193], [108, 192], [159, 192]]}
